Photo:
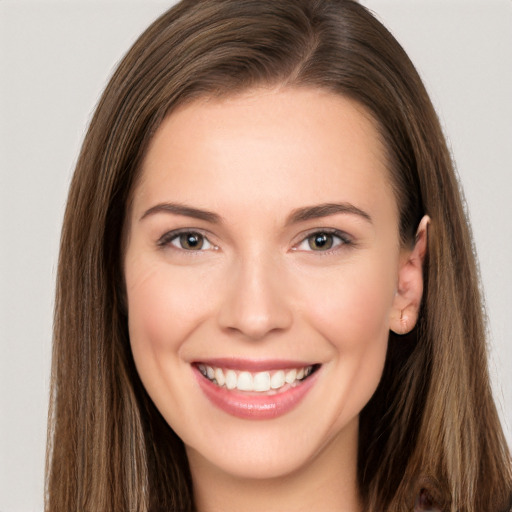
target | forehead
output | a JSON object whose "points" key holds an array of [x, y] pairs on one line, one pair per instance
{"points": [[265, 147]]}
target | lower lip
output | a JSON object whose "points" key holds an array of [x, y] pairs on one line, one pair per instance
{"points": [[252, 406]]}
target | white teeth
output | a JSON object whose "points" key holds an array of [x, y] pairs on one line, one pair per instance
{"points": [[260, 382], [244, 381], [219, 377], [291, 376], [231, 379], [277, 380]]}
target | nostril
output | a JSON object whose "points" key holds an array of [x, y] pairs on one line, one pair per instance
{"points": [[254, 321]]}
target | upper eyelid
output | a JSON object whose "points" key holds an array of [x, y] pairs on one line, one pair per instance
{"points": [[346, 241], [173, 233], [343, 235]]}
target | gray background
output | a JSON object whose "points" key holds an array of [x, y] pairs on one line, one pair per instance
{"points": [[55, 58]]}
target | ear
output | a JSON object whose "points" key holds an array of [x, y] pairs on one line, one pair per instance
{"points": [[407, 301]]}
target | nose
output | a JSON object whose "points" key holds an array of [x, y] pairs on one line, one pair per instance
{"points": [[256, 302]]}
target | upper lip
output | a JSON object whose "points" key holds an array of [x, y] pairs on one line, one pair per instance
{"points": [[253, 365]]}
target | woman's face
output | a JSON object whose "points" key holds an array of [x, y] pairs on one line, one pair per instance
{"points": [[262, 268]]}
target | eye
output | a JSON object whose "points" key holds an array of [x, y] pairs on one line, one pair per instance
{"points": [[323, 241], [186, 240]]}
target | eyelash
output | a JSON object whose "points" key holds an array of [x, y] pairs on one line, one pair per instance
{"points": [[344, 240], [170, 236]]}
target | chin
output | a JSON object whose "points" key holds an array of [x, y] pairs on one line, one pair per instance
{"points": [[275, 450]]}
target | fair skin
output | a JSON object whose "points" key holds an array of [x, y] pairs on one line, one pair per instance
{"points": [[265, 281]]}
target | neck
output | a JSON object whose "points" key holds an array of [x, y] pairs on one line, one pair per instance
{"points": [[327, 483]]}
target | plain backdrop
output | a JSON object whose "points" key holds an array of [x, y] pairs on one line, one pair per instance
{"points": [[55, 59]]}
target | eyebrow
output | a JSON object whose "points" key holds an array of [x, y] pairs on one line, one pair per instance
{"points": [[298, 215], [325, 210], [185, 211]]}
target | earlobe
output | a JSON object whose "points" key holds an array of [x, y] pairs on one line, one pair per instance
{"points": [[407, 301]]}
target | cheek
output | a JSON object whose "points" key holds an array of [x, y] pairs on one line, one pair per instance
{"points": [[352, 314], [353, 306], [163, 309]]}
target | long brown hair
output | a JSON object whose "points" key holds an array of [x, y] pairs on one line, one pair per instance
{"points": [[431, 426]]}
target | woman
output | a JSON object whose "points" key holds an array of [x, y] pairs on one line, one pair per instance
{"points": [[267, 294]]}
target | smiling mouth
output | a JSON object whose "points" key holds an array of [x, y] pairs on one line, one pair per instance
{"points": [[268, 382]]}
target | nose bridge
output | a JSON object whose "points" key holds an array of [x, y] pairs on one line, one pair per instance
{"points": [[256, 302]]}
